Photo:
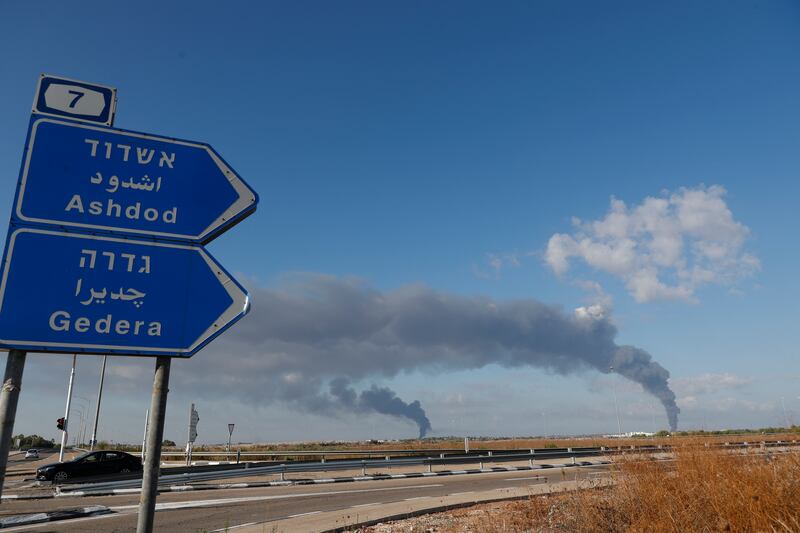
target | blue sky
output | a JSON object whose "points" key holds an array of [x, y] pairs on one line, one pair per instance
{"points": [[413, 142]]}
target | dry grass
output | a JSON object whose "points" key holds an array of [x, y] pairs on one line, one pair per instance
{"points": [[516, 443], [702, 490]]}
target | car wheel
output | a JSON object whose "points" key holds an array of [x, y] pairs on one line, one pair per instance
{"points": [[60, 476]]}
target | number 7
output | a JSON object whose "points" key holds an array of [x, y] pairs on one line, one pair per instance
{"points": [[78, 96]]}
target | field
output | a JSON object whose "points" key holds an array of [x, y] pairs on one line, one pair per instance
{"points": [[502, 444]]}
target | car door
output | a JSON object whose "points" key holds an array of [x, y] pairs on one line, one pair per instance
{"points": [[87, 466], [112, 462]]}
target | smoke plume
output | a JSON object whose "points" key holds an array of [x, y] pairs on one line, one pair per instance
{"points": [[381, 400], [307, 341]]}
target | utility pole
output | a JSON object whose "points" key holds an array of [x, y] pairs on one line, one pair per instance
{"points": [[9, 397], [616, 407], [93, 440], [66, 410]]}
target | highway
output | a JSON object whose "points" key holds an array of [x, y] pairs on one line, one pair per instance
{"points": [[225, 508]]}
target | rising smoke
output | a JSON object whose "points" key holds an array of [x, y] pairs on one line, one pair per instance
{"points": [[381, 400], [308, 341]]}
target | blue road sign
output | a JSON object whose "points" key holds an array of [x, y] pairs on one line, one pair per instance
{"points": [[71, 292], [77, 100], [91, 178]]}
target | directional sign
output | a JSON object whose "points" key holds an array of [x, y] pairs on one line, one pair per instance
{"points": [[63, 97], [69, 292], [91, 178], [194, 418]]}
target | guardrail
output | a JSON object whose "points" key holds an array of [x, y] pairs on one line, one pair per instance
{"points": [[286, 468], [192, 474], [325, 454]]}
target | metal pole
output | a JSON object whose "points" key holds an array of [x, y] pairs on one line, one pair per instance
{"points": [[189, 437], [616, 407], [158, 409], [78, 439], [9, 396], [66, 411], [93, 440], [144, 439]]}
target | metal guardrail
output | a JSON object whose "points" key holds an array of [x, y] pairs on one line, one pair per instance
{"points": [[197, 474], [363, 464]]}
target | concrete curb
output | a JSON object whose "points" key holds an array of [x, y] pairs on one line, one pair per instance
{"points": [[290, 482], [420, 512], [443, 508], [53, 516]]}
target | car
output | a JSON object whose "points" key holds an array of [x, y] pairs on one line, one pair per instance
{"points": [[99, 463], [32, 454]]}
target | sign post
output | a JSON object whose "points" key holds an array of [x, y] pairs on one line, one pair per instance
{"points": [[105, 250], [152, 464], [9, 395]]}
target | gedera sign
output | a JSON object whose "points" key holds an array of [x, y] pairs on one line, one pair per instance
{"points": [[67, 292]]}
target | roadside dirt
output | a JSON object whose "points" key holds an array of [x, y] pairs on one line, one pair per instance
{"points": [[479, 518]]}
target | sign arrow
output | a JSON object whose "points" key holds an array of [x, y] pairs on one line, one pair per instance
{"points": [[110, 181], [70, 292]]}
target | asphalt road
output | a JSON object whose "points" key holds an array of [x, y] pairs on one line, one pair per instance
{"points": [[219, 509]]}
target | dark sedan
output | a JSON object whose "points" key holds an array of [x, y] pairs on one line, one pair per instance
{"points": [[90, 464]]}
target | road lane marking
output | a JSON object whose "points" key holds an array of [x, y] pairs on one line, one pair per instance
{"points": [[303, 514], [529, 478], [366, 504], [415, 498], [223, 529], [49, 525], [209, 503], [461, 493]]}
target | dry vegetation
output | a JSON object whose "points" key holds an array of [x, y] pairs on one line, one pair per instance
{"points": [[505, 444], [702, 490]]}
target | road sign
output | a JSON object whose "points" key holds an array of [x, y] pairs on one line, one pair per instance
{"points": [[78, 100], [230, 429], [92, 178], [194, 418], [69, 292]]}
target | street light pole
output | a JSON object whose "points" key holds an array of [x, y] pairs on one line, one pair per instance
{"points": [[66, 410], [93, 440]]}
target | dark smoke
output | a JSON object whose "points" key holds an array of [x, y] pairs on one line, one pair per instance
{"points": [[637, 365], [303, 335], [381, 400]]}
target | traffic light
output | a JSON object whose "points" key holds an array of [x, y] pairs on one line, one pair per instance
{"points": [[60, 424]]}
